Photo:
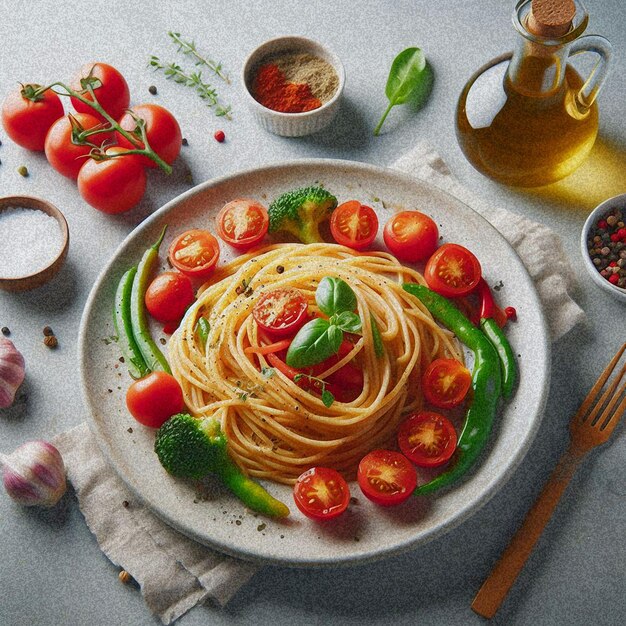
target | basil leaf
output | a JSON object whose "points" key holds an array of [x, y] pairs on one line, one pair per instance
{"points": [[348, 321], [408, 75], [314, 342], [327, 398], [379, 348], [334, 295], [202, 328]]}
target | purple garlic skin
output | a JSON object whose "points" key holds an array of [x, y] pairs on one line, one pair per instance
{"points": [[34, 475], [12, 372]]}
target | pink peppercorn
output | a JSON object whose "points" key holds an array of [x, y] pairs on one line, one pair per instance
{"points": [[511, 313], [219, 136], [613, 278]]}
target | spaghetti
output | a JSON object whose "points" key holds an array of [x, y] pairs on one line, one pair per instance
{"points": [[276, 429]]}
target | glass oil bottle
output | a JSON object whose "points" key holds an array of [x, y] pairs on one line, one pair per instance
{"points": [[527, 118]]}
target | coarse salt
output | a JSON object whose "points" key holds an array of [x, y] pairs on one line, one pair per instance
{"points": [[30, 240]]}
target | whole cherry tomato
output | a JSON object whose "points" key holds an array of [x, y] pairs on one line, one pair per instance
{"points": [[109, 87], [168, 296], [65, 156], [27, 120], [162, 130], [153, 399], [112, 185], [411, 236]]}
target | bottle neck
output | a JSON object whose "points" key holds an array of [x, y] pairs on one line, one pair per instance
{"points": [[537, 69]]}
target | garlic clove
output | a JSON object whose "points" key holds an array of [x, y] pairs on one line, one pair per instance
{"points": [[34, 474], [12, 372]]}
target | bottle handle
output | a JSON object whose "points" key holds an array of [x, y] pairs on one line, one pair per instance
{"points": [[602, 47]]}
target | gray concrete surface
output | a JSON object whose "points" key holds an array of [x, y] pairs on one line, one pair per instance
{"points": [[51, 569]]}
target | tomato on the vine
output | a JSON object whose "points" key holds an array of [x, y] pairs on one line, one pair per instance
{"points": [[109, 86], [386, 477], [242, 223], [153, 399], [281, 312], [321, 493], [411, 236], [65, 156], [195, 253], [452, 271], [162, 131], [112, 185], [354, 225], [27, 121], [168, 296], [446, 382], [427, 438]]}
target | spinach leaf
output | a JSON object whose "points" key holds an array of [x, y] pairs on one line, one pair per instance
{"points": [[379, 348], [314, 342], [405, 77], [334, 295], [348, 321]]}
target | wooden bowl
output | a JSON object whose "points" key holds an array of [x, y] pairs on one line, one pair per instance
{"points": [[31, 281]]}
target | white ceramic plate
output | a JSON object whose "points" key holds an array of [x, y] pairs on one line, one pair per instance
{"points": [[365, 531]]}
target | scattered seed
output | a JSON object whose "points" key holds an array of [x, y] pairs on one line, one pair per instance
{"points": [[5, 331], [129, 430], [126, 504], [153, 90], [51, 341], [260, 527], [22, 170], [47, 331]]}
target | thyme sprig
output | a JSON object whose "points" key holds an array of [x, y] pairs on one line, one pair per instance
{"points": [[189, 48], [194, 80]]}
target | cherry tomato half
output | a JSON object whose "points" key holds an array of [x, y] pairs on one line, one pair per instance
{"points": [[321, 493], [26, 121], [452, 271], [65, 156], [354, 225], [168, 296], [195, 253], [411, 236], [446, 383], [153, 399], [242, 223], [386, 477], [162, 129], [427, 438], [112, 185], [281, 312], [110, 88]]}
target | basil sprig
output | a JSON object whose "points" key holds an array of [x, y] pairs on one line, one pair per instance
{"points": [[319, 339]]}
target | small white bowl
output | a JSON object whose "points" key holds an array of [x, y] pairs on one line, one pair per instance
{"points": [[292, 124], [601, 210]]}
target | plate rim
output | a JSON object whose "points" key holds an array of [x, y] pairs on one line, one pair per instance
{"points": [[466, 511]]}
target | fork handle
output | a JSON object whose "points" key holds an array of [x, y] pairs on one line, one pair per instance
{"points": [[497, 585]]}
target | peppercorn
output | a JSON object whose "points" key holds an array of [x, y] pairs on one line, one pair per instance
{"points": [[219, 136], [280, 269], [152, 89], [184, 141], [22, 170], [51, 341], [605, 245], [125, 577], [5, 331], [47, 331]]}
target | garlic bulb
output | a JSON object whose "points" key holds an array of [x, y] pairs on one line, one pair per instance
{"points": [[11, 372], [34, 475]]}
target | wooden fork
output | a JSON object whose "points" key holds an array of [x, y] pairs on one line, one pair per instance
{"points": [[591, 426]]}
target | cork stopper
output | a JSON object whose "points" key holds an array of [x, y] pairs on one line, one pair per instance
{"points": [[551, 18]]}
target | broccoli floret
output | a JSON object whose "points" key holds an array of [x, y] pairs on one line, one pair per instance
{"points": [[301, 211], [190, 447]]}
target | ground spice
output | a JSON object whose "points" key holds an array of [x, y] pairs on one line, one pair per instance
{"points": [[295, 82]]}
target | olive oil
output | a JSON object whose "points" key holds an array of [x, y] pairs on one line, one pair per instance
{"points": [[527, 118], [510, 132]]}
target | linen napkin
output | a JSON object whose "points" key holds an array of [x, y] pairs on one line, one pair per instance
{"points": [[176, 573]]}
